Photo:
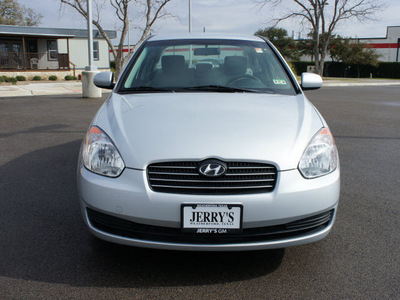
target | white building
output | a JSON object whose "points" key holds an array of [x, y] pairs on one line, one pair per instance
{"points": [[125, 51], [387, 47], [37, 49]]}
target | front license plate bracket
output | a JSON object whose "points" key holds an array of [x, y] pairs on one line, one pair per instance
{"points": [[211, 218]]}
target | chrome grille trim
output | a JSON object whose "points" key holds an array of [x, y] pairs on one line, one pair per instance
{"points": [[240, 178], [224, 181], [238, 174], [211, 187], [167, 173]]}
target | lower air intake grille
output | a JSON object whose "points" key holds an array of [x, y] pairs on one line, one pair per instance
{"points": [[128, 229], [185, 178]]}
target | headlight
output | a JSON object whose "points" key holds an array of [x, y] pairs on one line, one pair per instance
{"points": [[100, 155], [320, 157]]}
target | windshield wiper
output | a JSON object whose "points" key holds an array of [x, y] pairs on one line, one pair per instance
{"points": [[146, 89], [222, 89], [207, 88]]}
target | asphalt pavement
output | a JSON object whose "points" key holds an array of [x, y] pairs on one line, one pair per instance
{"points": [[46, 252]]}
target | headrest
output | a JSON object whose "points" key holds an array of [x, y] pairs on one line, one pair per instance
{"points": [[173, 63], [204, 67], [235, 65]]}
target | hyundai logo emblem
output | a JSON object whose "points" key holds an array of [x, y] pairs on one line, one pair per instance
{"points": [[212, 168]]}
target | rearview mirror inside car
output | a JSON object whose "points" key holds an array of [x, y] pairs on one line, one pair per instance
{"points": [[207, 51]]}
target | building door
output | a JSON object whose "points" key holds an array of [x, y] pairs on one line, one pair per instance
{"points": [[32, 55], [17, 55]]}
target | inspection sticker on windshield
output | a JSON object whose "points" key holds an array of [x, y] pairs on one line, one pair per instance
{"points": [[279, 81], [212, 218], [259, 50]]}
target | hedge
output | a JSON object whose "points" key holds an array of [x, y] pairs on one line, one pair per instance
{"points": [[70, 77], [339, 69], [20, 78]]}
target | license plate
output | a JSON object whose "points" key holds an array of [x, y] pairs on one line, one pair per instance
{"points": [[212, 218]]}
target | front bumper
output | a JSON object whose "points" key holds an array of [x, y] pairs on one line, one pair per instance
{"points": [[129, 202]]}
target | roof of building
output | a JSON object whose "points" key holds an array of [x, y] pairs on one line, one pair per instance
{"points": [[390, 30], [10, 30]]}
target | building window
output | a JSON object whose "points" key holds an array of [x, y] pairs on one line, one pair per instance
{"points": [[4, 55], [4, 47], [96, 50], [52, 50]]}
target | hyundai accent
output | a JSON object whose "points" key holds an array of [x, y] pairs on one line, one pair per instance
{"points": [[207, 142]]}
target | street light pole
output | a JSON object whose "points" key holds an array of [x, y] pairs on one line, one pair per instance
{"points": [[190, 31], [91, 67], [89, 90], [190, 16], [129, 38]]}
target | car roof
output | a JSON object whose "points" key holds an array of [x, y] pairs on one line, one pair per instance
{"points": [[202, 36]]}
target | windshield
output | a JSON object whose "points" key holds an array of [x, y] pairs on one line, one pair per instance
{"points": [[206, 65]]}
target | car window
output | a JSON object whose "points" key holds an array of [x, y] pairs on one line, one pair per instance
{"points": [[184, 65]]}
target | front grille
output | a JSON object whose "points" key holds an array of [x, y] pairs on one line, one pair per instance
{"points": [[184, 178], [128, 229]]}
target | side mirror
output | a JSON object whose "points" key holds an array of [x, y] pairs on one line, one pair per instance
{"points": [[310, 81], [104, 80]]}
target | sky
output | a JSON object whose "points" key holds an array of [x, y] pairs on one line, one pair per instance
{"points": [[220, 16]]}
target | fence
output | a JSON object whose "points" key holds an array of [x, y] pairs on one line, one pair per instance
{"points": [[33, 61]]}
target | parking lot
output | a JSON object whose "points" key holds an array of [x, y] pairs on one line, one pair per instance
{"points": [[46, 251]]}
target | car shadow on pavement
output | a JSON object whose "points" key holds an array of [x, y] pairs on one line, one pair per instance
{"points": [[43, 237]]}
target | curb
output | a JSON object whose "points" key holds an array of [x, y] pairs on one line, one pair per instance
{"points": [[385, 83], [42, 89]]}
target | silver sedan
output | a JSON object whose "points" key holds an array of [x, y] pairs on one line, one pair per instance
{"points": [[208, 142]]}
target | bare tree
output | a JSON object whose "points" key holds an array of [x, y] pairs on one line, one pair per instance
{"points": [[323, 18], [152, 10]]}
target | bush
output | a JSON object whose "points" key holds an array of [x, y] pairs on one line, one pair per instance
{"points": [[3, 78], [388, 70], [112, 64], [70, 77], [53, 77], [20, 78], [10, 79], [37, 78], [340, 69]]}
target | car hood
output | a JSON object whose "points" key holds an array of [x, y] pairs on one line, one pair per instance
{"points": [[155, 127]]}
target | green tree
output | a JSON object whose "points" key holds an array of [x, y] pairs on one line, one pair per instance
{"points": [[13, 13], [279, 37], [322, 17], [306, 46], [351, 52]]}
